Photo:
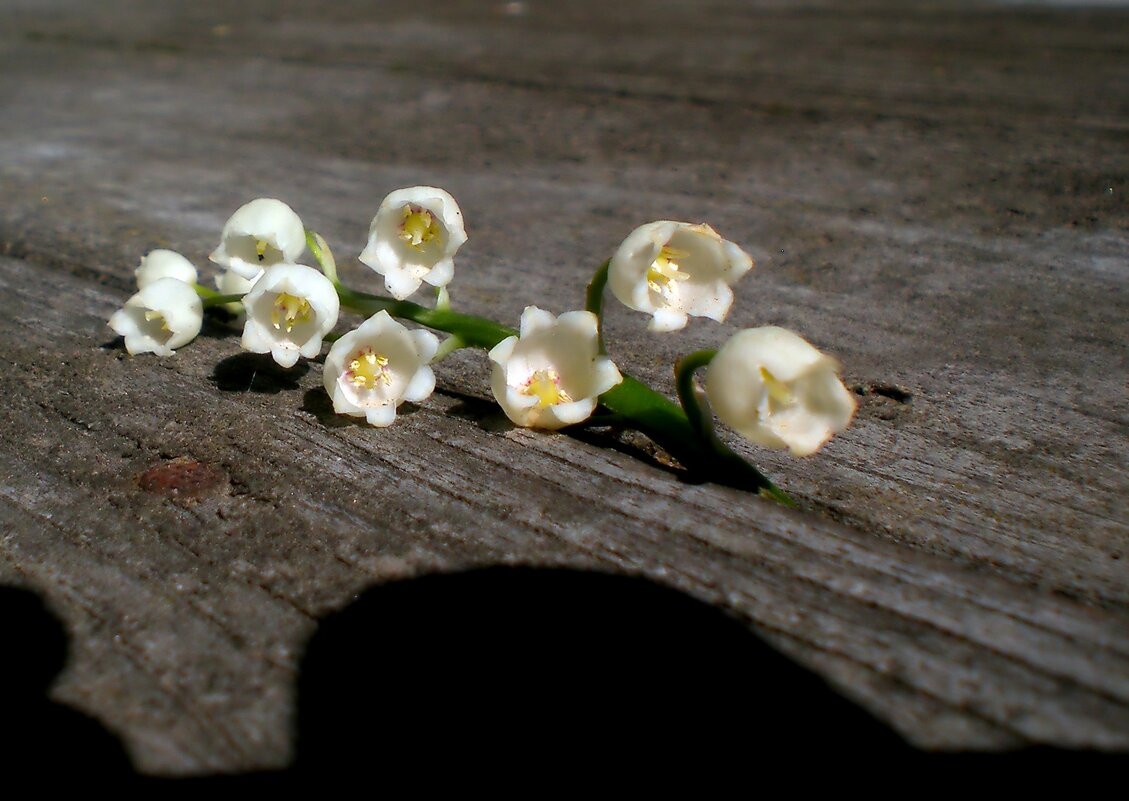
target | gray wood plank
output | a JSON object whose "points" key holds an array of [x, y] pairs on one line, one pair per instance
{"points": [[934, 195]]}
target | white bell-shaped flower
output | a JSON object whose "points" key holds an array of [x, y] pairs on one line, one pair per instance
{"points": [[674, 270], [289, 310], [413, 238], [377, 366], [552, 375], [775, 389], [161, 317], [160, 263], [258, 235]]}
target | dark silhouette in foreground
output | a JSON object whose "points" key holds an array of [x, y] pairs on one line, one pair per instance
{"points": [[512, 670], [554, 665], [41, 737]]}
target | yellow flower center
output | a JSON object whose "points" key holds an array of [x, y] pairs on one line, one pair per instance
{"points": [[367, 369], [778, 392], [261, 248], [419, 227], [664, 272], [546, 386], [153, 315], [289, 310]]}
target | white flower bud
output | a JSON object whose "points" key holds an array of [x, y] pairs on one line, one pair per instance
{"points": [[673, 270], [772, 387], [413, 238], [553, 375], [258, 235], [162, 316], [158, 264], [289, 310], [374, 368]]}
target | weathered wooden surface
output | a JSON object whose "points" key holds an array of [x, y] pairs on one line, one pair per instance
{"points": [[936, 195]]}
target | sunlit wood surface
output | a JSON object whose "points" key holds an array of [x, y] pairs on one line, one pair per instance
{"points": [[935, 193]]}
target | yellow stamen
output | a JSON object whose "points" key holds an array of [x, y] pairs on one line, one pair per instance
{"points": [[261, 249], [152, 315], [418, 227], [546, 385], [367, 369], [778, 391], [289, 310], [664, 271]]}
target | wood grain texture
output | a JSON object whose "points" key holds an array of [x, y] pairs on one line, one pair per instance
{"points": [[935, 195]]}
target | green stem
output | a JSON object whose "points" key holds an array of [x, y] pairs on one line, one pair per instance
{"points": [[211, 297], [684, 370], [594, 300], [668, 426], [687, 435], [475, 332]]}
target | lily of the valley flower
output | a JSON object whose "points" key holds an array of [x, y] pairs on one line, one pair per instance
{"points": [[413, 238], [673, 270], [160, 263], [258, 235], [553, 374], [289, 310], [164, 315], [774, 388], [374, 368]]}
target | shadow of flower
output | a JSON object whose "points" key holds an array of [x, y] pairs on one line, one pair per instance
{"points": [[256, 372]]}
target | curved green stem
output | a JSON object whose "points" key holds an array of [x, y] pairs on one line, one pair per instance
{"points": [[700, 418], [594, 300], [685, 433], [668, 426]]}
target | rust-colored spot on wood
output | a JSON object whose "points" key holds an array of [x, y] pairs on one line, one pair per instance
{"points": [[182, 477]]}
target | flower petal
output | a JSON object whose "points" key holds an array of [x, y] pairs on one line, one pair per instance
{"points": [[421, 386], [160, 263], [381, 416], [534, 319]]}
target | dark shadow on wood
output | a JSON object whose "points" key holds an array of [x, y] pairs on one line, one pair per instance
{"points": [[316, 402], [486, 414], [636, 445], [517, 670], [256, 372], [219, 323], [43, 737], [525, 661]]}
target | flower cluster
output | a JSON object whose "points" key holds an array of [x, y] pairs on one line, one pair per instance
{"points": [[767, 384]]}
